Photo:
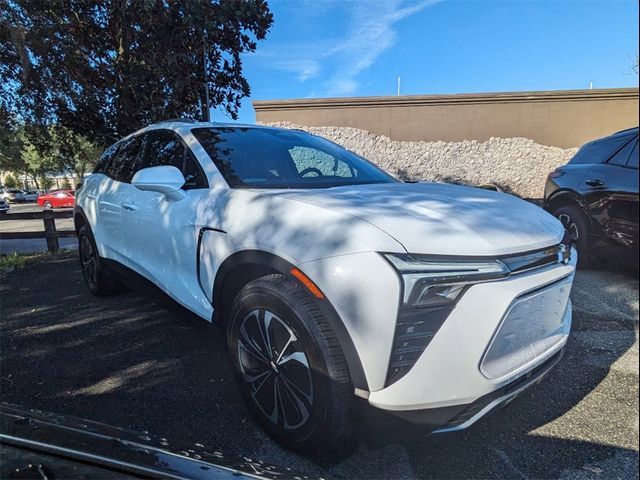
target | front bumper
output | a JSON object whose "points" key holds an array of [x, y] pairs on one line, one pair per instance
{"points": [[459, 417], [447, 377], [456, 371]]}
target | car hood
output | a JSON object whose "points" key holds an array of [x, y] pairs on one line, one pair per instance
{"points": [[442, 219]]}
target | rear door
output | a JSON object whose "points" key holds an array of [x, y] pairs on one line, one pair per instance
{"points": [[113, 196], [611, 193]]}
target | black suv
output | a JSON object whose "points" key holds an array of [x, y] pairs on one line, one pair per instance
{"points": [[595, 195]]}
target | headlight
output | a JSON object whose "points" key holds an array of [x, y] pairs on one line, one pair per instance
{"points": [[430, 281]]}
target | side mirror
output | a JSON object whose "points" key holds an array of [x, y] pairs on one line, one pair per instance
{"points": [[165, 179]]}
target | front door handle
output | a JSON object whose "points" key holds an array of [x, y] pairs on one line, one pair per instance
{"points": [[595, 182], [129, 206], [91, 196]]}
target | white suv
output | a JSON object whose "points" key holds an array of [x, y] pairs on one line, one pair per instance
{"points": [[331, 278]]}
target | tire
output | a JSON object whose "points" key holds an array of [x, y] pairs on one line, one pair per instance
{"points": [[48, 205], [97, 280], [576, 223], [311, 410]]}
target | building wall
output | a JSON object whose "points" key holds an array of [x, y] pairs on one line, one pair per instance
{"points": [[563, 118]]}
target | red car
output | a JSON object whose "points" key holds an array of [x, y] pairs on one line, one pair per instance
{"points": [[57, 198]]}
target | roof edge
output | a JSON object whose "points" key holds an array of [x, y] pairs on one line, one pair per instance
{"points": [[466, 98]]}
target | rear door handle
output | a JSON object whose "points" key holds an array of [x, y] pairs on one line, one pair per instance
{"points": [[595, 182], [91, 196], [129, 206]]}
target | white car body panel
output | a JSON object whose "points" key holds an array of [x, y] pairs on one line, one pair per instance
{"points": [[440, 219], [336, 236], [269, 222], [364, 290]]}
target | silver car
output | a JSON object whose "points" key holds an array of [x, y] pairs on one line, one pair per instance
{"points": [[4, 206]]}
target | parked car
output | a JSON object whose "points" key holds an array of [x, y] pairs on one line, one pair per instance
{"points": [[331, 278], [9, 194], [595, 196], [26, 196], [57, 199], [4, 206]]}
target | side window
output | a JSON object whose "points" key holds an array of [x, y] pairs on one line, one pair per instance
{"points": [[192, 172], [162, 147], [311, 162], [633, 158], [105, 159], [123, 166], [598, 151], [622, 155]]}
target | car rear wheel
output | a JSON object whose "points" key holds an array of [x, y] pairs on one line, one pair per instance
{"points": [[290, 367], [48, 205], [98, 281], [575, 222]]}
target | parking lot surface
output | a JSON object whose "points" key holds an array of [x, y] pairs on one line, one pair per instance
{"points": [[140, 362], [32, 244]]}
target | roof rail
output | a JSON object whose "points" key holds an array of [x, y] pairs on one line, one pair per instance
{"points": [[182, 119], [626, 130]]}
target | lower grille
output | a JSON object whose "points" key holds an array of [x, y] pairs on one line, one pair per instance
{"points": [[534, 324]]}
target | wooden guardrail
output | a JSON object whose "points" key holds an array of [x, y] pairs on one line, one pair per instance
{"points": [[50, 232]]}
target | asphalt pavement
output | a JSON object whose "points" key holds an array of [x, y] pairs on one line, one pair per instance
{"points": [[32, 244], [140, 362]]}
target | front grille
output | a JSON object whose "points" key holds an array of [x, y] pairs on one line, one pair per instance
{"points": [[534, 324]]}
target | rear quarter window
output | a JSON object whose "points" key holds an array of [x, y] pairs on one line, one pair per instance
{"points": [[123, 165], [633, 158], [599, 151], [105, 159]]}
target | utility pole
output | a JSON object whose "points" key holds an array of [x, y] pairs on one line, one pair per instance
{"points": [[398, 85], [205, 109]]}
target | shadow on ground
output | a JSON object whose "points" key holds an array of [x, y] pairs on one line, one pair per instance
{"points": [[138, 363]]}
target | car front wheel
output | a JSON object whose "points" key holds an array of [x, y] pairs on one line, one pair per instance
{"points": [[290, 367], [575, 222]]}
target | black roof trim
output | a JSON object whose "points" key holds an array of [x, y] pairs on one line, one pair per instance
{"points": [[179, 119], [626, 130]]}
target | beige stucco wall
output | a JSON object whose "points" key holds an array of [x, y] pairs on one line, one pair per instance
{"points": [[564, 118]]}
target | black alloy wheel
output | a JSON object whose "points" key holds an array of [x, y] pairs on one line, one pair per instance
{"points": [[575, 223], [290, 367], [276, 369]]}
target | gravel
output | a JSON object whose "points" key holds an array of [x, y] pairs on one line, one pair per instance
{"points": [[140, 362], [516, 165]]}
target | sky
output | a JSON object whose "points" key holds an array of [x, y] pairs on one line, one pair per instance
{"points": [[349, 48]]}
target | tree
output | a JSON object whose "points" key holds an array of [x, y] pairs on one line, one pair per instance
{"points": [[71, 152], [66, 185], [20, 154], [10, 181], [45, 183], [103, 68]]}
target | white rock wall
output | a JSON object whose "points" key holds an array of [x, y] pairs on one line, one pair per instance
{"points": [[517, 165]]}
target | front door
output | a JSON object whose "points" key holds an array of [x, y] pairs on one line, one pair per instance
{"points": [[161, 232]]}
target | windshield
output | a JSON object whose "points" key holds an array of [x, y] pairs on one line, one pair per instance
{"points": [[275, 158]]}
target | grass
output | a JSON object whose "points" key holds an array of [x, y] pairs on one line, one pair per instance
{"points": [[19, 260]]}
